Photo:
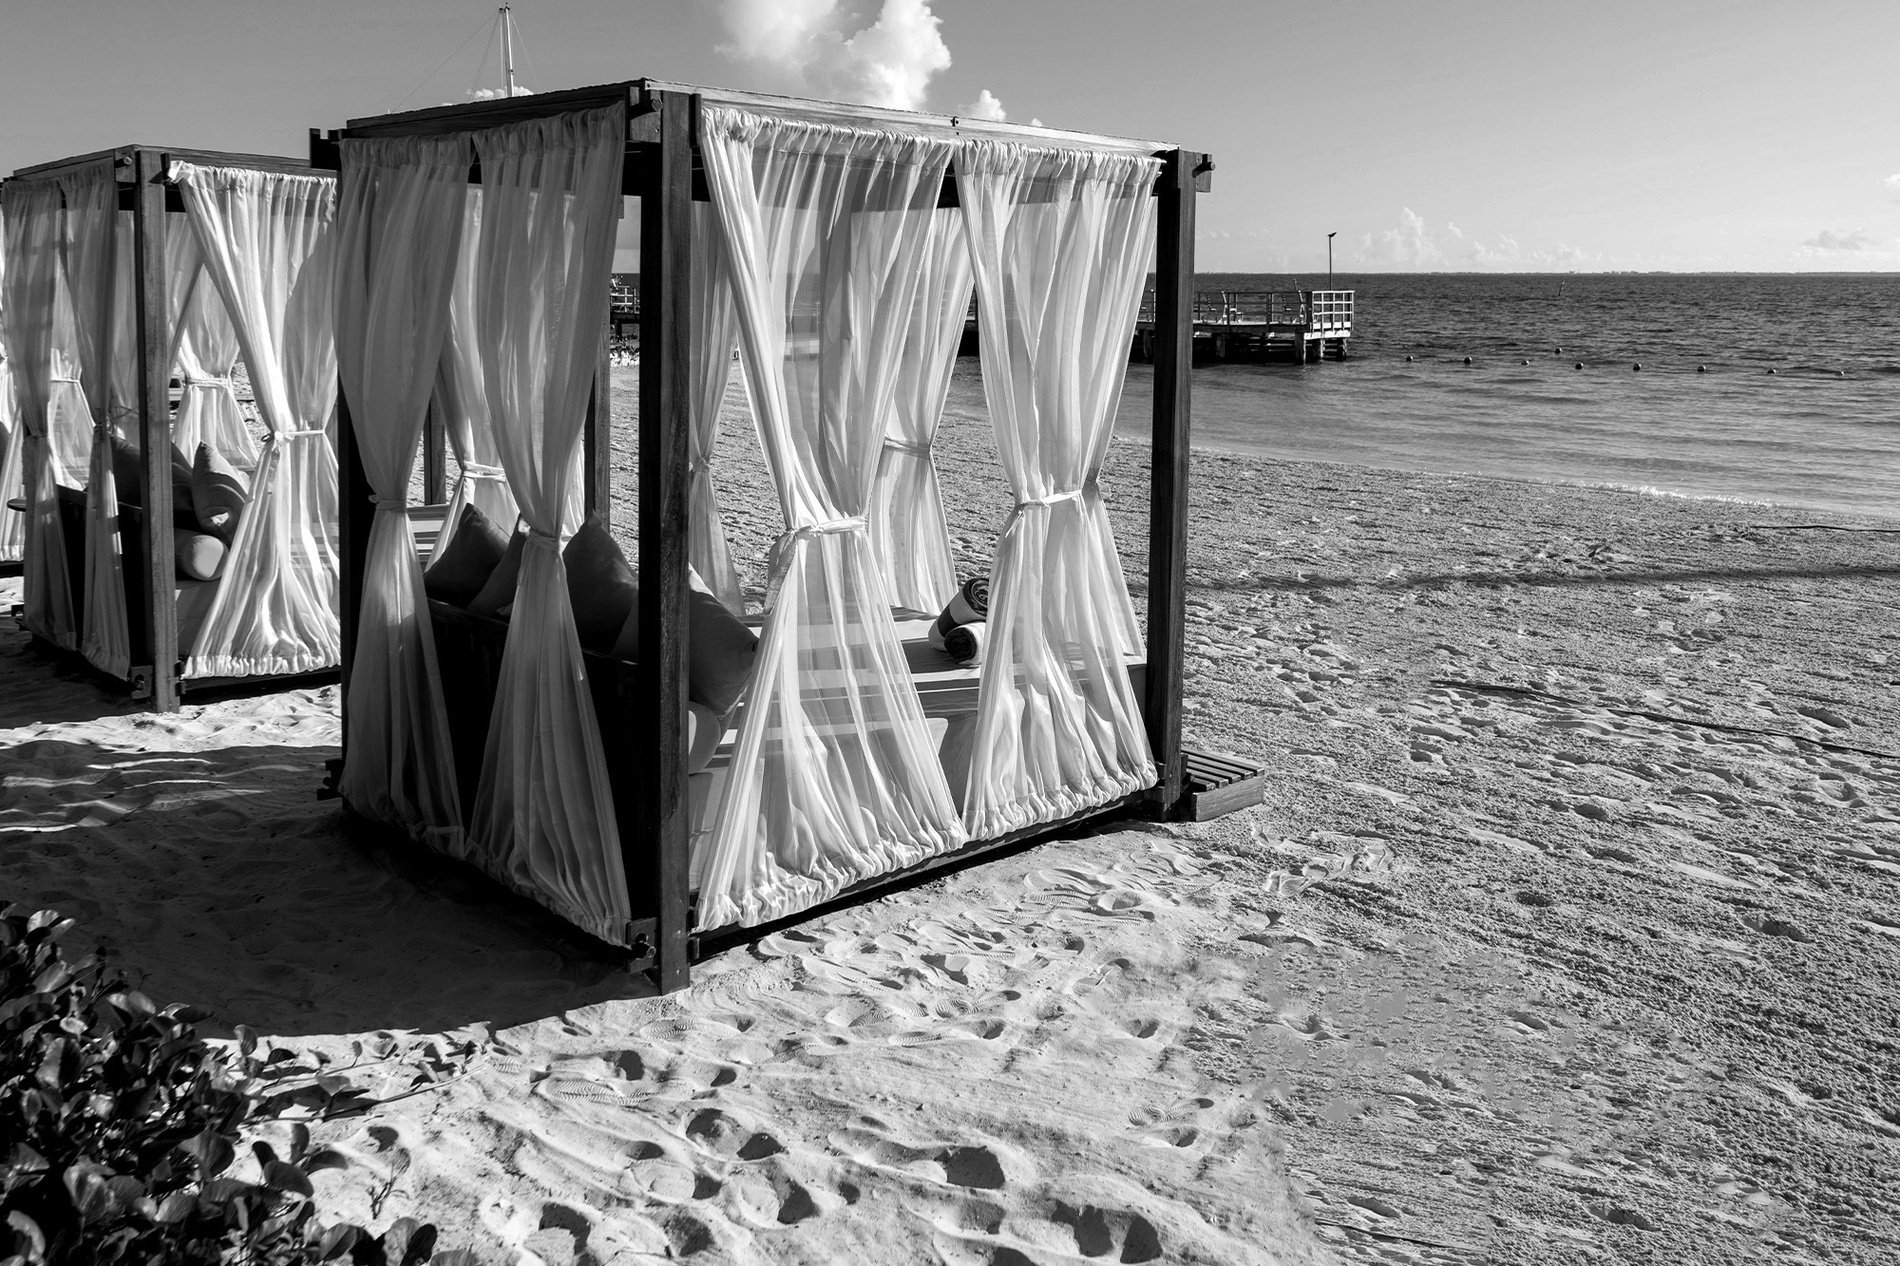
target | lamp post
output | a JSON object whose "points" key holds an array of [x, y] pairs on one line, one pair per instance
{"points": [[1329, 258]]}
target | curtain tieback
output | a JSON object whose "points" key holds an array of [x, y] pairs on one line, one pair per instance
{"points": [[1054, 498], [292, 435], [393, 505], [830, 527], [211, 382], [916, 448], [539, 539], [63, 378], [477, 470]]}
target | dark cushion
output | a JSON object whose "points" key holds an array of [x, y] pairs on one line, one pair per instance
{"points": [[128, 479], [600, 584], [219, 492], [720, 648], [498, 590], [456, 574], [200, 554]]}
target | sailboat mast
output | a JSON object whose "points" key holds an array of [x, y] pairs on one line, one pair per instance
{"points": [[508, 45]]}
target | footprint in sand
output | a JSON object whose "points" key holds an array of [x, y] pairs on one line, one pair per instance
{"points": [[1116, 1234], [869, 1145]]}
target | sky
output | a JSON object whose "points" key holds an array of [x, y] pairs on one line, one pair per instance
{"points": [[1491, 135]]}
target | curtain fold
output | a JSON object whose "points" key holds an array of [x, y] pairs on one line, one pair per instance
{"points": [[398, 225], [1061, 243], [266, 238], [31, 299], [12, 436], [543, 819], [908, 529], [715, 332], [99, 277], [204, 353], [834, 778], [462, 396]]}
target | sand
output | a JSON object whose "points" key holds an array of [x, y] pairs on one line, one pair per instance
{"points": [[1569, 931]]}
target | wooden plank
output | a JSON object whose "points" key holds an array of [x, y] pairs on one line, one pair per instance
{"points": [[721, 939], [355, 514], [476, 115], [657, 840], [1168, 488], [597, 437], [849, 115], [157, 607], [435, 460], [1203, 806]]}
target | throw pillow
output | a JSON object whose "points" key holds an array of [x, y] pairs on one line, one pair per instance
{"points": [[600, 584], [219, 492], [720, 648], [498, 590], [200, 554], [457, 574]]}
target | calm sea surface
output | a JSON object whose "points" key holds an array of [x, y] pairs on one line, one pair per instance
{"points": [[1823, 430]]}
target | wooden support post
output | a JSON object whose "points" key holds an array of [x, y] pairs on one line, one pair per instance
{"points": [[655, 844], [1168, 495], [156, 642], [356, 514], [435, 457], [597, 436]]}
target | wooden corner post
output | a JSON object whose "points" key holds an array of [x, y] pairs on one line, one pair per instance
{"points": [[156, 604], [1168, 492], [656, 847]]}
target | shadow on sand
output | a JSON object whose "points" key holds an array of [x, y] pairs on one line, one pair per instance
{"points": [[218, 878]]}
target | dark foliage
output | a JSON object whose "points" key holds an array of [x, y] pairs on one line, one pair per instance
{"points": [[120, 1128]]}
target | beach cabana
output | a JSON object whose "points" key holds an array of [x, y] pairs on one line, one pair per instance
{"points": [[168, 541], [836, 247]]}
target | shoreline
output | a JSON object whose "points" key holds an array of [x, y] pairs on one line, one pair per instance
{"points": [[1532, 954]]}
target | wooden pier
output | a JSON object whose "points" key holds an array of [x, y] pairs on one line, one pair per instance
{"points": [[1229, 325], [1291, 325]]}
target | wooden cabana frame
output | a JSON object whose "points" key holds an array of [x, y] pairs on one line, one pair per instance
{"points": [[663, 167], [156, 673]]}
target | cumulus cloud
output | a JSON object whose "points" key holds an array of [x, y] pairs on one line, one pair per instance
{"points": [[1829, 240], [986, 106], [1415, 244], [814, 48], [1893, 181], [496, 94]]}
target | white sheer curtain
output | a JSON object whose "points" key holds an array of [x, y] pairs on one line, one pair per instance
{"points": [[12, 437], [715, 331], [462, 395], [266, 238], [204, 352], [907, 524], [31, 298], [98, 272], [1061, 243], [834, 778], [544, 815], [399, 220]]}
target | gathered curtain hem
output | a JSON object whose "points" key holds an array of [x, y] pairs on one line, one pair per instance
{"points": [[1055, 804], [265, 666], [791, 894]]}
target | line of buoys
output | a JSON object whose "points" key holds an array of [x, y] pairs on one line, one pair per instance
{"points": [[1467, 360], [1771, 371], [1410, 359], [1524, 362], [1579, 364], [1637, 366], [1702, 369]]}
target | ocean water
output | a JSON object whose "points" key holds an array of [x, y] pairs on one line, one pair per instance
{"points": [[1822, 430]]}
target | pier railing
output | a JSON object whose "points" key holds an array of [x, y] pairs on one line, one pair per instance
{"points": [[1316, 310]]}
